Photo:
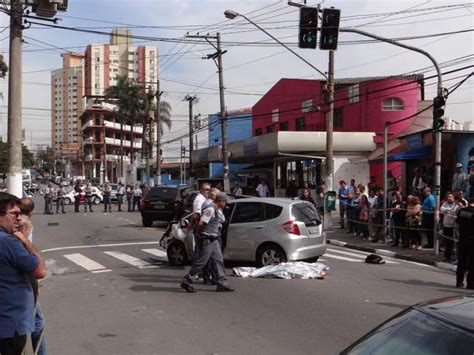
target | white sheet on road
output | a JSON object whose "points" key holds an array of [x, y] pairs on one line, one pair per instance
{"points": [[290, 270]]}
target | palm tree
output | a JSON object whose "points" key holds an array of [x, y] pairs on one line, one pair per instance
{"points": [[126, 96], [163, 118]]}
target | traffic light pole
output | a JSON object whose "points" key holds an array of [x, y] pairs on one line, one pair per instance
{"points": [[158, 133], [329, 179], [14, 180], [437, 178]]}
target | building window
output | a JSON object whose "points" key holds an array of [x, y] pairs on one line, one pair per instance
{"points": [[275, 115], [307, 106], [392, 104], [338, 120], [353, 93], [284, 126], [258, 132], [300, 124], [270, 129]]}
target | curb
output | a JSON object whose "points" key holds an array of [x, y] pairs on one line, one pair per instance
{"points": [[383, 252]]}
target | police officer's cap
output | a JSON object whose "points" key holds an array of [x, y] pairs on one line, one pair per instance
{"points": [[222, 197]]}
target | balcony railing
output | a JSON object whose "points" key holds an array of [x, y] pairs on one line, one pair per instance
{"points": [[126, 143], [126, 128]]}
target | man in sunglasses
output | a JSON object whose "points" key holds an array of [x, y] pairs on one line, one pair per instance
{"points": [[18, 258]]}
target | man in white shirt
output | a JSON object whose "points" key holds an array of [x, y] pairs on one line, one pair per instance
{"points": [[237, 191], [198, 202], [262, 189]]}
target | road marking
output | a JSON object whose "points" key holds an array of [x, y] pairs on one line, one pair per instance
{"points": [[99, 246], [157, 252], [342, 258], [139, 263], [86, 263], [359, 255]]}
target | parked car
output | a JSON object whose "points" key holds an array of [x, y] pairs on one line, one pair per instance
{"points": [[113, 194], [440, 327], [163, 203], [97, 196], [263, 230]]}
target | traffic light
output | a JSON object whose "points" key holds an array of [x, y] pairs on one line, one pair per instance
{"points": [[183, 152], [329, 29], [438, 112], [307, 37]]}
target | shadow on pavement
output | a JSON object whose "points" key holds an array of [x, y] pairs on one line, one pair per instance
{"points": [[422, 283]]}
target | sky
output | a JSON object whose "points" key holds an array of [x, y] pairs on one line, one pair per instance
{"points": [[250, 69]]}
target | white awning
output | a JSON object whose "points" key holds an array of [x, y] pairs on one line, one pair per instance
{"points": [[279, 143]]}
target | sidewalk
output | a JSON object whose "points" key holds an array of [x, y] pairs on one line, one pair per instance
{"points": [[342, 238]]}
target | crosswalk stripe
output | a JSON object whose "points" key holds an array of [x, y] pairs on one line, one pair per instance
{"points": [[141, 264], [332, 256], [86, 263], [349, 253], [157, 252]]}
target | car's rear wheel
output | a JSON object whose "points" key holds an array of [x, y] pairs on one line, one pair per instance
{"points": [[270, 254], [176, 253], [97, 200], [147, 221], [67, 201]]}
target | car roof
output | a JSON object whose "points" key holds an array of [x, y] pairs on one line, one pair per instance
{"points": [[281, 201], [457, 310]]}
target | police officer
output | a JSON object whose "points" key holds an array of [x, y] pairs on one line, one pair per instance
{"points": [[107, 192], [208, 230], [129, 192], [465, 220], [88, 201], [60, 199], [120, 193], [48, 200], [77, 195], [208, 273]]}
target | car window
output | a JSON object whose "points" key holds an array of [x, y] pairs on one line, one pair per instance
{"points": [[228, 210], [305, 212], [413, 333], [272, 211], [248, 212], [162, 192], [185, 192]]}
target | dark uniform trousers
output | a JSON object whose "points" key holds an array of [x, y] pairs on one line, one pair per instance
{"points": [[465, 263], [206, 250], [119, 202], [88, 202], [60, 202]]}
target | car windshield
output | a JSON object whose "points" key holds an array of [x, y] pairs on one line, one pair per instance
{"points": [[162, 192], [416, 333], [305, 212]]}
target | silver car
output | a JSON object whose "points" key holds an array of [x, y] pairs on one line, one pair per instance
{"points": [[263, 230]]}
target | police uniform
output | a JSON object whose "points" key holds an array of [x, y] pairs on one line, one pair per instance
{"points": [[60, 200], [88, 201], [465, 220], [48, 201], [120, 193], [107, 191], [209, 250], [77, 197]]}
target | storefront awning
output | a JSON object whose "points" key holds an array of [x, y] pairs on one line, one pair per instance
{"points": [[417, 153], [277, 144]]}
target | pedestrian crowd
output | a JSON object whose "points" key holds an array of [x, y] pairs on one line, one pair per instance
{"points": [[83, 192], [411, 219], [21, 267]]}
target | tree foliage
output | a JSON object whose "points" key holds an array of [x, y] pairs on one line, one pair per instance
{"points": [[28, 158]]}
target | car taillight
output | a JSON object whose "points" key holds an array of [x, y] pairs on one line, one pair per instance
{"points": [[291, 227]]}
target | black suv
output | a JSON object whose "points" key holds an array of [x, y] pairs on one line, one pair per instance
{"points": [[163, 203]]}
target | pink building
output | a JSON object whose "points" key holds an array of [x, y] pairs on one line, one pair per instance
{"points": [[361, 105]]}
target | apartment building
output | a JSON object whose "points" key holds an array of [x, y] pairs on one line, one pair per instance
{"points": [[67, 90]]}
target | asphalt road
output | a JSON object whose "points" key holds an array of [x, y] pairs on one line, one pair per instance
{"points": [[111, 291]]}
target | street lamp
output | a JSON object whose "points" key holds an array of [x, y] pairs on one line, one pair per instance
{"points": [[231, 14]]}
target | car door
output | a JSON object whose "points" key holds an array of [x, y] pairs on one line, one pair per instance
{"points": [[247, 220]]}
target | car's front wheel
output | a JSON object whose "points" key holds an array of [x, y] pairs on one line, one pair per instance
{"points": [[270, 254], [176, 253], [67, 201], [97, 200]]}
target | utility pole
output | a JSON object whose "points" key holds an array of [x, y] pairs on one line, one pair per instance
{"points": [[191, 99], [329, 137], [14, 181], [158, 133], [223, 113]]}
